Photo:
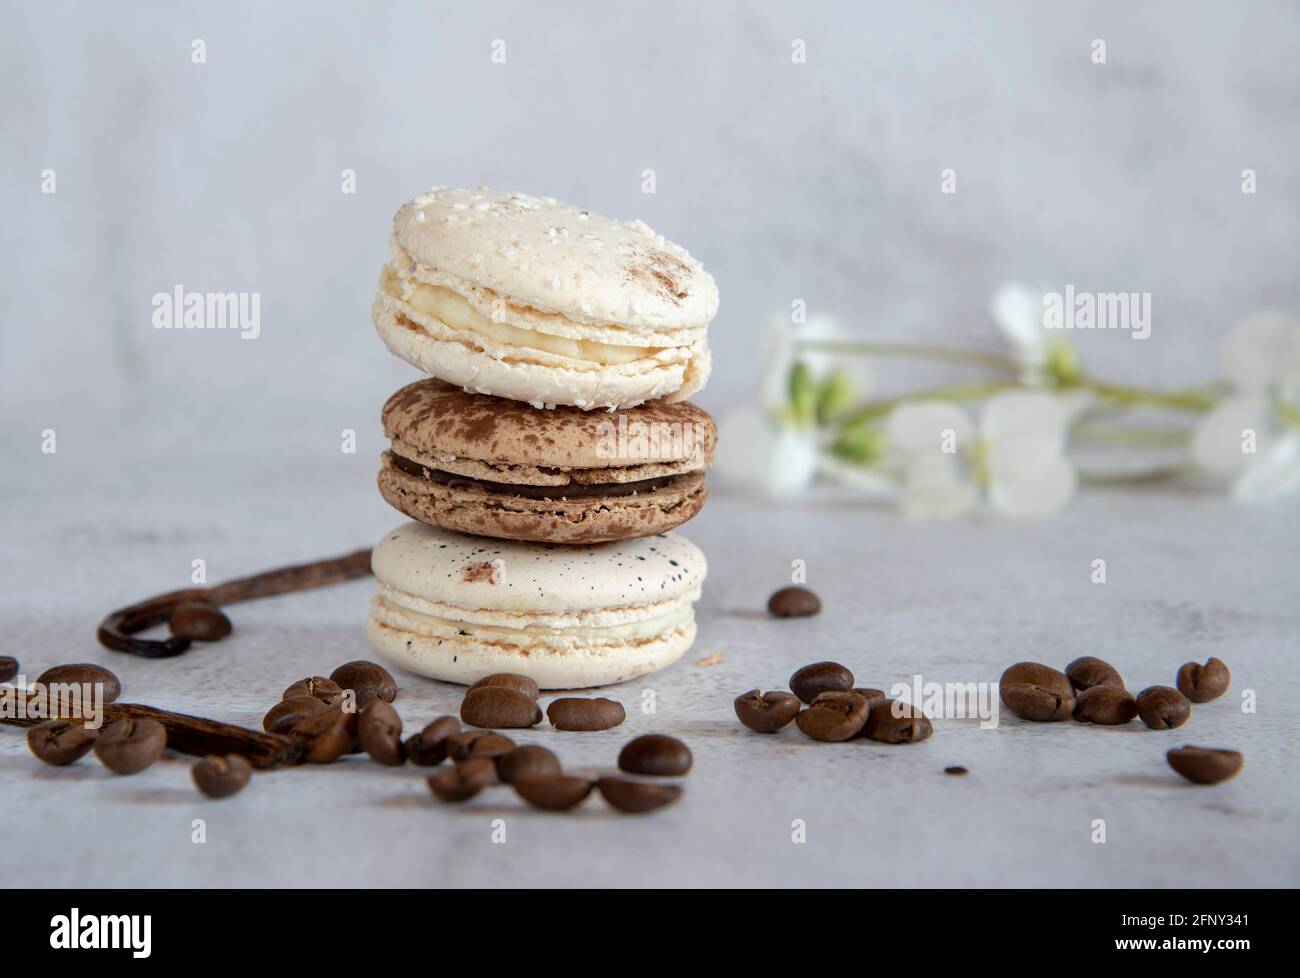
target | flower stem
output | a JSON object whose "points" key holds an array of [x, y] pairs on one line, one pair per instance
{"points": [[1187, 400], [1142, 437], [955, 392], [920, 351], [1163, 474]]}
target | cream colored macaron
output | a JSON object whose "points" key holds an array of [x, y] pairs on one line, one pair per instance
{"points": [[458, 608], [533, 300]]}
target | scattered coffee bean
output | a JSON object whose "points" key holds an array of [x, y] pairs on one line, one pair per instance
{"points": [[281, 718], [462, 781], [499, 706], [1108, 706], [794, 602], [820, 677], [510, 680], [428, 748], [60, 742], [766, 712], [834, 716], [80, 674], [892, 722], [869, 694], [8, 668], [955, 769], [1033, 691], [1163, 707], [1205, 765], [477, 743], [367, 680], [1090, 671], [553, 792], [529, 761], [380, 731], [200, 621], [221, 777], [580, 713], [655, 754], [325, 734], [128, 745], [1200, 684], [637, 796], [317, 687]]}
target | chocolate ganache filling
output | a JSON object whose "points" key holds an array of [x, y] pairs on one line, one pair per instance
{"points": [[572, 491]]}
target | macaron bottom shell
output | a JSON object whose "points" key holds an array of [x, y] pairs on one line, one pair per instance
{"points": [[564, 665], [568, 521]]}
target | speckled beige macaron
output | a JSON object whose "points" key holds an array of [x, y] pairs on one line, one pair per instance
{"points": [[501, 468], [529, 299], [458, 608]]}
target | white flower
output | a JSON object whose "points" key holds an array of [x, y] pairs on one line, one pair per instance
{"points": [[1253, 436], [1016, 456], [758, 454], [780, 354], [1045, 356]]}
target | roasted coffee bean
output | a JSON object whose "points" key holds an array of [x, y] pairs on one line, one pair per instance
{"points": [[128, 745], [1200, 684], [461, 781], [553, 792], [8, 668], [221, 777], [510, 680], [1033, 691], [367, 680], [766, 712], [1163, 707], [200, 621], [1108, 706], [81, 674], [893, 722], [637, 796], [834, 716], [499, 706], [60, 742], [326, 735], [317, 687], [281, 717], [820, 677], [428, 748], [580, 713], [955, 769], [1205, 765], [1090, 671], [477, 743], [529, 761], [869, 694], [655, 754], [380, 731], [793, 602]]}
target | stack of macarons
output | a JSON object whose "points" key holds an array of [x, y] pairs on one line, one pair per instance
{"points": [[550, 452]]}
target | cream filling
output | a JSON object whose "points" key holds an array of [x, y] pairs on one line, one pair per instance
{"points": [[455, 310], [631, 631]]}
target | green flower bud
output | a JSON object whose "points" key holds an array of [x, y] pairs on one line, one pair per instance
{"points": [[1063, 364], [803, 395], [860, 443], [836, 395]]}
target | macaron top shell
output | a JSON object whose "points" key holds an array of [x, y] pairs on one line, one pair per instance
{"points": [[462, 571], [552, 258], [444, 424]]}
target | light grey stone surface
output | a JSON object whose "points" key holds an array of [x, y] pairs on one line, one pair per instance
{"points": [[1189, 576]]}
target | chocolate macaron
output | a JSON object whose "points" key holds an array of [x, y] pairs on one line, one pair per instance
{"points": [[500, 468]]}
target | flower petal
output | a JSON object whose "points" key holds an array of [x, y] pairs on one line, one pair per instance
{"points": [[920, 428], [1217, 442], [755, 455], [1271, 473], [1036, 494], [1261, 349], [933, 486], [1018, 312]]}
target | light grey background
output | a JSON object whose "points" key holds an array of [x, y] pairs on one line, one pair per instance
{"points": [[817, 181]]}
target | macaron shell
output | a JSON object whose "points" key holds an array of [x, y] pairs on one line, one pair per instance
{"points": [[508, 575], [463, 660], [562, 521], [442, 420], [476, 364], [549, 256]]}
